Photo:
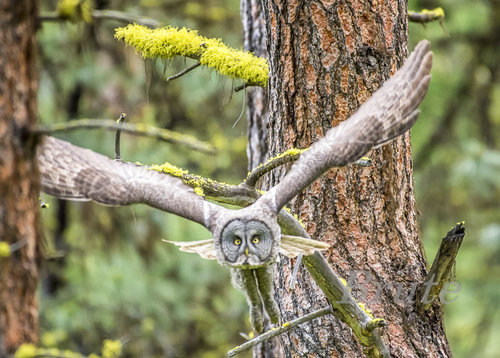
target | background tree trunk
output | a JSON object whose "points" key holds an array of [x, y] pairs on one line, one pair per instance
{"points": [[326, 58], [18, 175], [257, 109]]}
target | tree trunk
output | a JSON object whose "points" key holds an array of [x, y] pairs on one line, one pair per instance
{"points": [[257, 108], [326, 58], [18, 175]]}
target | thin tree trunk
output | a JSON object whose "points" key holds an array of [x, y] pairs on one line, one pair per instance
{"points": [[18, 175], [326, 58], [257, 108]]}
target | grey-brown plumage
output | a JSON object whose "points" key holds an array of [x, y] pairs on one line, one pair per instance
{"points": [[73, 173], [390, 112], [249, 239]]}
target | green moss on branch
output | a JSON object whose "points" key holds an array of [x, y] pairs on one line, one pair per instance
{"points": [[168, 42]]}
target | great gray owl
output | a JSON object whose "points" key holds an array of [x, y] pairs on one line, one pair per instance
{"points": [[248, 240]]}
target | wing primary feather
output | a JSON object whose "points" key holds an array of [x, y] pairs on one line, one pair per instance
{"points": [[204, 248], [74, 173], [390, 112], [292, 246]]}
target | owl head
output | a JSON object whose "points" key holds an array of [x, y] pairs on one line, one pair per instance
{"points": [[248, 240]]}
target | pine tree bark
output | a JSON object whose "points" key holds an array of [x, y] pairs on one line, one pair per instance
{"points": [[18, 175], [326, 58], [257, 108]]}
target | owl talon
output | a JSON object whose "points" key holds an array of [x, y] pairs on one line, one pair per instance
{"points": [[273, 311], [256, 318]]}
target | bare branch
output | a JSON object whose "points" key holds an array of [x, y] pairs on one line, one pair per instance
{"points": [[119, 121], [118, 16], [135, 129], [441, 269], [426, 16], [288, 156], [183, 72], [241, 88], [279, 330]]}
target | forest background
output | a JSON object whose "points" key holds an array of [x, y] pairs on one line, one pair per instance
{"points": [[107, 275]]}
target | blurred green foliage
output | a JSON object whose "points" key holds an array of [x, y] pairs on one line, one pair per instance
{"points": [[456, 150], [107, 275]]}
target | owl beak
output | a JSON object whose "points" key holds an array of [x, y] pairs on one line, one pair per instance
{"points": [[246, 251]]}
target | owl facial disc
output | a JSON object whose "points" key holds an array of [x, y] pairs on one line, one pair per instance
{"points": [[247, 243]]}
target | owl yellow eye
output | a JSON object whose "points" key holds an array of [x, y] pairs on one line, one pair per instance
{"points": [[237, 241], [255, 239]]}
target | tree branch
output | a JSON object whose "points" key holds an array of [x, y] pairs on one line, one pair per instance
{"points": [[183, 72], [112, 15], [441, 269], [425, 16], [344, 305], [279, 330], [169, 42], [135, 129], [288, 156], [119, 121]]}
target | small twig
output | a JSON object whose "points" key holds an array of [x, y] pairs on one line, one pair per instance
{"points": [[246, 85], [240, 88], [288, 156], [135, 129], [426, 16], [293, 278], [105, 15], [183, 72], [6, 250], [279, 330], [119, 121], [18, 244], [441, 269]]}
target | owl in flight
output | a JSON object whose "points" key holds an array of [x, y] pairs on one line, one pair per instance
{"points": [[248, 240]]}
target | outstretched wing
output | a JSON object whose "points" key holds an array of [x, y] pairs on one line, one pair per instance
{"points": [[290, 246], [390, 112], [74, 173]]}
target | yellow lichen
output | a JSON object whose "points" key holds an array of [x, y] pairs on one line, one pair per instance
{"points": [[289, 152], [75, 10], [437, 12], [199, 191], [26, 350], [168, 42], [364, 308], [169, 169], [111, 349], [4, 249]]}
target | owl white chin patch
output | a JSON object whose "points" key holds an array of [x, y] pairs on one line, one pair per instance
{"points": [[251, 262]]}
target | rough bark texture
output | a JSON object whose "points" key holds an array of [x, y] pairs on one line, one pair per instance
{"points": [[257, 109], [326, 58], [18, 174]]}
